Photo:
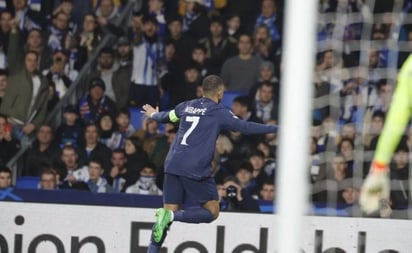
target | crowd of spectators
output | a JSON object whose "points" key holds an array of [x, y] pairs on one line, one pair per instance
{"points": [[160, 57]]}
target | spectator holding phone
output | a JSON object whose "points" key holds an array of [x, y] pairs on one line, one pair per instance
{"points": [[233, 198], [8, 145]]}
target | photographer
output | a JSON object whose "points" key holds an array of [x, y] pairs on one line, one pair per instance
{"points": [[57, 74], [233, 199]]}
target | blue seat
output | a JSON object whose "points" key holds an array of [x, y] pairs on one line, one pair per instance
{"points": [[229, 96], [136, 117], [27, 183]]}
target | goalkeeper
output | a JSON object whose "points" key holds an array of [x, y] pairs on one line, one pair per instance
{"points": [[376, 186]]}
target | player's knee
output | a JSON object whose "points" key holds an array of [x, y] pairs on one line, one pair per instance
{"points": [[215, 214], [214, 209]]}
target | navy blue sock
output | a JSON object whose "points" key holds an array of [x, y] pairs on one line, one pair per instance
{"points": [[154, 247], [196, 214]]}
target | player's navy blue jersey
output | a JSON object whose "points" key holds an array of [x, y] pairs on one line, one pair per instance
{"points": [[201, 121]]}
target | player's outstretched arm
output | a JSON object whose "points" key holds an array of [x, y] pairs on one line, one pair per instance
{"points": [[148, 110], [162, 117], [376, 186], [233, 123]]}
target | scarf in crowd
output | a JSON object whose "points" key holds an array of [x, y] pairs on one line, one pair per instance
{"points": [[188, 19], [270, 23], [56, 38]]}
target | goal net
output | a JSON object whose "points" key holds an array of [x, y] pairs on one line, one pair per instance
{"points": [[361, 45]]}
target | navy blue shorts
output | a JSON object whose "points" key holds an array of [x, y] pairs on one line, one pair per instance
{"points": [[183, 190]]}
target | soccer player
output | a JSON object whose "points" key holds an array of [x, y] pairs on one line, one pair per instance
{"points": [[376, 186], [188, 165]]}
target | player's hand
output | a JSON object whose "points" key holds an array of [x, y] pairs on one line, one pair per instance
{"points": [[374, 190], [148, 110]]}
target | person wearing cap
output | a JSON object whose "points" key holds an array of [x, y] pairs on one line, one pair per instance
{"points": [[123, 52], [104, 70], [149, 64], [95, 103], [116, 79]]}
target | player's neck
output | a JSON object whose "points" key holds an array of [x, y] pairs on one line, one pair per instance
{"points": [[214, 98]]}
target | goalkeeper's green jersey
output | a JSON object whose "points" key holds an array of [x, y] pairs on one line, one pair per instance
{"points": [[398, 115]]}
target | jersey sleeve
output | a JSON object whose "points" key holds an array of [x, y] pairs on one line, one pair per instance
{"points": [[233, 123], [169, 116], [397, 117]]}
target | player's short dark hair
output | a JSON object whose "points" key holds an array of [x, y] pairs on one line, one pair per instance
{"points": [[211, 84]]}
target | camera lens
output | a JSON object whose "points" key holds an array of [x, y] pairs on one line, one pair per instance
{"points": [[231, 192]]}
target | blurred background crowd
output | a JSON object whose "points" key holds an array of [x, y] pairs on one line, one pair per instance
{"points": [[74, 74]]}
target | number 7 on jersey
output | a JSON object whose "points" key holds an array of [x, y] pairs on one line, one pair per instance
{"points": [[195, 121]]}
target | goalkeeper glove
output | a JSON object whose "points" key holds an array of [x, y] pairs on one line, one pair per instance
{"points": [[375, 188]]}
